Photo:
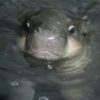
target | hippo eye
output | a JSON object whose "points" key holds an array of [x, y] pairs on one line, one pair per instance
{"points": [[27, 24], [71, 29]]}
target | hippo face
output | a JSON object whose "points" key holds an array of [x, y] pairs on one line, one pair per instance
{"points": [[51, 35]]}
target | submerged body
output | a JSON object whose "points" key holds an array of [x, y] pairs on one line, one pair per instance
{"points": [[57, 40]]}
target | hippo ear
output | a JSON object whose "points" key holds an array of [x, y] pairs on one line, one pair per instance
{"points": [[24, 14], [21, 15], [85, 11]]}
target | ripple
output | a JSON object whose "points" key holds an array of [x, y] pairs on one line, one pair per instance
{"points": [[43, 98]]}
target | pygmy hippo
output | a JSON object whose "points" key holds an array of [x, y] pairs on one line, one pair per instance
{"points": [[57, 39]]}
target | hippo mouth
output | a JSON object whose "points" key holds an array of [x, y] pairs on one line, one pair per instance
{"points": [[55, 52], [45, 54]]}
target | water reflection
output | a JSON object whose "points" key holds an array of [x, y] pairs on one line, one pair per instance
{"points": [[43, 98], [14, 83]]}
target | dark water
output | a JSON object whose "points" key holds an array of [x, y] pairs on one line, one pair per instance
{"points": [[17, 80]]}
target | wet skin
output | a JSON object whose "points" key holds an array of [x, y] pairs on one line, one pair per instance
{"points": [[53, 36]]}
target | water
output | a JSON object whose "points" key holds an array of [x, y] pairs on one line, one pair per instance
{"points": [[17, 80]]}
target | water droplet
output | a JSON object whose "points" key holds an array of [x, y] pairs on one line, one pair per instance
{"points": [[14, 83], [85, 17], [49, 67], [43, 98]]}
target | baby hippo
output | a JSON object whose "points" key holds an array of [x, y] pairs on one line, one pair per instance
{"points": [[59, 38], [59, 41]]}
